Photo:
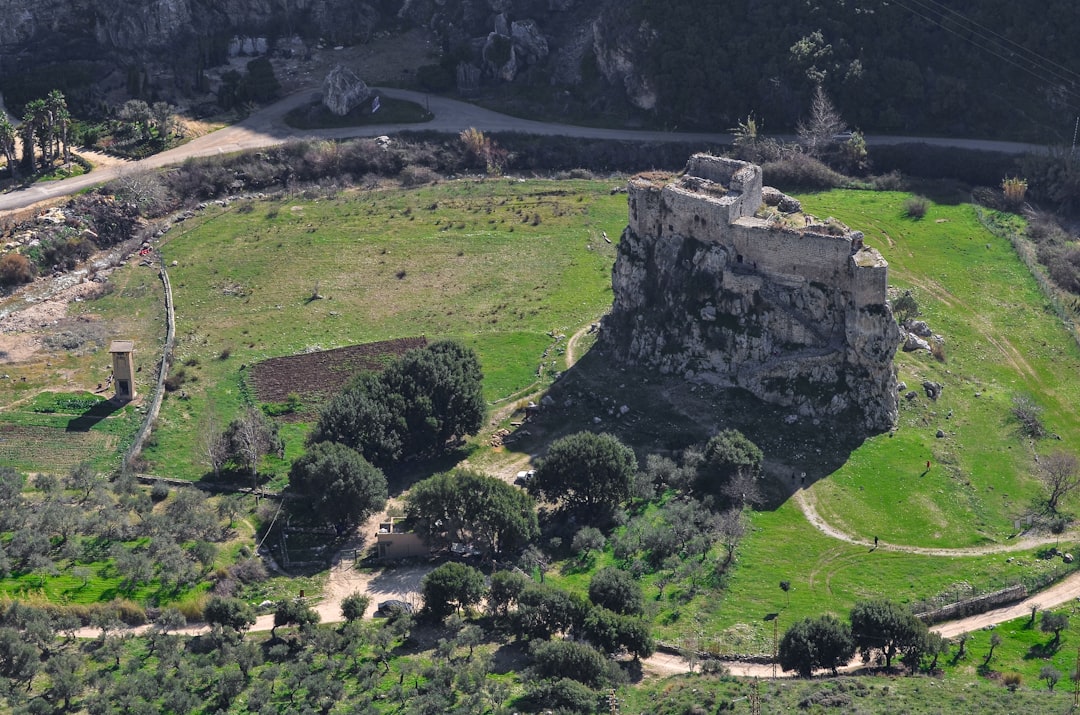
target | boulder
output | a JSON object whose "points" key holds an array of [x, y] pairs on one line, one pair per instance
{"points": [[913, 342], [933, 389], [789, 205], [344, 91], [918, 327], [771, 196]]}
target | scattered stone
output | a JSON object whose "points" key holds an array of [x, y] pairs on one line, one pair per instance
{"points": [[933, 389], [791, 419], [624, 409], [940, 434], [901, 387], [911, 396], [1067, 558]]}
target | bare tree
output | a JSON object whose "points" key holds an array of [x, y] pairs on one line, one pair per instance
{"points": [[250, 437], [730, 528], [1060, 474], [820, 130], [211, 447]]}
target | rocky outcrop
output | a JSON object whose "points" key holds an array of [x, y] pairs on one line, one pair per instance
{"points": [[128, 31], [344, 91], [708, 290]]}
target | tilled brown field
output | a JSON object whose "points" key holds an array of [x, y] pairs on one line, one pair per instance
{"points": [[316, 376]]}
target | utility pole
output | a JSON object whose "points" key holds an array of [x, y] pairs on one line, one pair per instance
{"points": [[613, 702], [1076, 680]]}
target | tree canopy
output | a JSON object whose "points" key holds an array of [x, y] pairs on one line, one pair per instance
{"points": [[886, 626], [813, 643], [413, 408], [616, 591], [586, 470], [337, 484], [449, 587], [468, 507]]}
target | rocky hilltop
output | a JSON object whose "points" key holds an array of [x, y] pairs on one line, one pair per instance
{"points": [[714, 285]]}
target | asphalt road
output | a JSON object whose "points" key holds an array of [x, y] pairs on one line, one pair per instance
{"points": [[265, 127]]}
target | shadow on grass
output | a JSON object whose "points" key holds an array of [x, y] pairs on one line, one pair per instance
{"points": [[86, 421], [665, 415], [1042, 651]]}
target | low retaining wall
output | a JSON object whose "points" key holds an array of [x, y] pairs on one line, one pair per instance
{"points": [[979, 604]]}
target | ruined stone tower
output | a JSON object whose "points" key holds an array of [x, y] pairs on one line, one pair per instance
{"points": [[710, 287]]}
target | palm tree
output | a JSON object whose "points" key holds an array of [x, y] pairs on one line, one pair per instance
{"points": [[8, 135], [58, 119], [35, 123]]}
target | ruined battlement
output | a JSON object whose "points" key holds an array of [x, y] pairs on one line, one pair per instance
{"points": [[710, 286]]}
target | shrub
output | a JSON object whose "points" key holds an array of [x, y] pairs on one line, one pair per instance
{"points": [[1028, 414], [800, 171], [916, 207], [159, 492], [413, 175], [15, 269], [1015, 189], [1012, 681]]}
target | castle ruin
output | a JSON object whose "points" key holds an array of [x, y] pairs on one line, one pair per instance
{"points": [[712, 285]]}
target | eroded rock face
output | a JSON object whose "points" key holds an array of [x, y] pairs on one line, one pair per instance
{"points": [[344, 91], [129, 30], [705, 290]]}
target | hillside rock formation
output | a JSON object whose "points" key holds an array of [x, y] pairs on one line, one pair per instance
{"points": [[793, 310]]}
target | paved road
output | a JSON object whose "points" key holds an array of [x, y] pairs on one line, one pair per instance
{"points": [[266, 128]]}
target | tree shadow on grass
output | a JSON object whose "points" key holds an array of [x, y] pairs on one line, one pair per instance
{"points": [[666, 414], [86, 421], [1042, 651]]}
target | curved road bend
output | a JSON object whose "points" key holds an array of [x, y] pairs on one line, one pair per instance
{"points": [[265, 127]]}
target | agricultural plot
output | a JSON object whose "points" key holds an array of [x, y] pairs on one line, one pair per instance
{"points": [[314, 377]]}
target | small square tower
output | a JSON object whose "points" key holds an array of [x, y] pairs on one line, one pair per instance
{"points": [[123, 368]]}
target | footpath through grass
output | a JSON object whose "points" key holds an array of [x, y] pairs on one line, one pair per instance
{"points": [[503, 265], [1002, 340]]}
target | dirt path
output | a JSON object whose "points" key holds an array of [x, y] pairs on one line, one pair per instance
{"points": [[807, 504]]}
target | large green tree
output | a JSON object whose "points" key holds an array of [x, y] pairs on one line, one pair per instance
{"points": [[468, 507], [731, 467], [617, 591], [8, 136], [813, 643], [451, 586], [586, 470], [337, 484], [416, 407], [885, 626]]}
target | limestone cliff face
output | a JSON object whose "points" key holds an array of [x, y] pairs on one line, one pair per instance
{"points": [[51, 30], [706, 290]]}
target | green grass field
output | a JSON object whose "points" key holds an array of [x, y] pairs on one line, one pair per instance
{"points": [[1001, 340], [502, 265]]}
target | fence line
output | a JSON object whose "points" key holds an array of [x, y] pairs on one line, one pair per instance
{"points": [[163, 370]]}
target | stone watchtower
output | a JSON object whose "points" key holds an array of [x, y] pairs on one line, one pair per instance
{"points": [[123, 369]]}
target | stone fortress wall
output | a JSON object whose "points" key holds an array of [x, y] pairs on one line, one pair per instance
{"points": [[707, 287]]}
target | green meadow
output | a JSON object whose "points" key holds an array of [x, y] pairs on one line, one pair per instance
{"points": [[506, 266]]}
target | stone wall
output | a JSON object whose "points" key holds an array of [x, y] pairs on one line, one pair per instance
{"points": [[707, 290]]}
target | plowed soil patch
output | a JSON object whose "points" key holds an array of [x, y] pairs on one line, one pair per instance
{"points": [[316, 376]]}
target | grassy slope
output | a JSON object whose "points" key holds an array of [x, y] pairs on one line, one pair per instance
{"points": [[1001, 339], [501, 265]]}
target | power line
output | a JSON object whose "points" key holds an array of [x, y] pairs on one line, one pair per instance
{"points": [[1004, 58], [1001, 40]]}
